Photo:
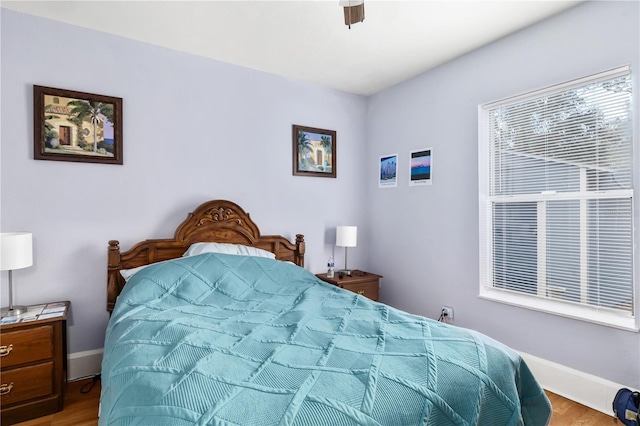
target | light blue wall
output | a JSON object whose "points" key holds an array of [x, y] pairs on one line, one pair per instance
{"points": [[194, 130], [425, 239]]}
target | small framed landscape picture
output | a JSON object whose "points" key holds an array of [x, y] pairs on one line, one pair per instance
{"points": [[314, 152], [420, 167], [76, 126], [388, 171]]}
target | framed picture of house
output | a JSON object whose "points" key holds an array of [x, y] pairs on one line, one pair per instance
{"points": [[314, 152], [76, 126]]}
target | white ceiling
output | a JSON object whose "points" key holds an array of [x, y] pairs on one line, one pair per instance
{"points": [[307, 40]]}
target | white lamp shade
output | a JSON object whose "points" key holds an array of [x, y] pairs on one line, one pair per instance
{"points": [[350, 3], [15, 250], [346, 236]]}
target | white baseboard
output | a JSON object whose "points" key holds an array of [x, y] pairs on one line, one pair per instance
{"points": [[84, 364], [583, 388]]}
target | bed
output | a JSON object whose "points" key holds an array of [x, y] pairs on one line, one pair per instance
{"points": [[252, 338]]}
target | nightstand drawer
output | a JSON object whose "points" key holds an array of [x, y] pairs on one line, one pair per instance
{"points": [[21, 384], [24, 346], [368, 289], [360, 282]]}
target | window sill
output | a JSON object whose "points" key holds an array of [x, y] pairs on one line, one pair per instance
{"points": [[597, 316]]}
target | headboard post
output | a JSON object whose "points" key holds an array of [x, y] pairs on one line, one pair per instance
{"points": [[113, 271], [300, 249]]}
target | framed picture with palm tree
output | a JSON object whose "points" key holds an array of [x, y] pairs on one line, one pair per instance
{"points": [[76, 126], [314, 152]]}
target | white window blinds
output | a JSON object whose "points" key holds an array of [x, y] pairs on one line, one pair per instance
{"points": [[556, 193]]}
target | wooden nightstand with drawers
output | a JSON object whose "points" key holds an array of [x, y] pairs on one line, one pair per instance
{"points": [[33, 363], [364, 283]]}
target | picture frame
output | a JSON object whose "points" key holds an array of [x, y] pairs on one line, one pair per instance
{"points": [[76, 126], [388, 171], [314, 152], [420, 166]]}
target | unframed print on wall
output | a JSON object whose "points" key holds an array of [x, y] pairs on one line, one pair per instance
{"points": [[388, 176], [420, 165]]}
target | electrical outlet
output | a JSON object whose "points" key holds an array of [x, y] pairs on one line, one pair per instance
{"points": [[447, 312]]}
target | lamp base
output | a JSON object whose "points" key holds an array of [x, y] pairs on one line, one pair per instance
{"points": [[16, 310], [346, 272]]}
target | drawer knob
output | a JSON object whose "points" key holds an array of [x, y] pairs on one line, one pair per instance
{"points": [[5, 350], [361, 292], [5, 389]]}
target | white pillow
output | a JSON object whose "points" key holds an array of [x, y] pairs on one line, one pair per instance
{"points": [[225, 248], [128, 273]]}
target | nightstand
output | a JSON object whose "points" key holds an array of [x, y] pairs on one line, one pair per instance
{"points": [[364, 283], [33, 360]]}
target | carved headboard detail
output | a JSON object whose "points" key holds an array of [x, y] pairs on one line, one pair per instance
{"points": [[219, 221]]}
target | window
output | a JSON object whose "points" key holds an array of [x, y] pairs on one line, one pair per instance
{"points": [[556, 199]]}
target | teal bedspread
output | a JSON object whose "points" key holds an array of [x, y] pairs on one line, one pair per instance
{"points": [[233, 340]]}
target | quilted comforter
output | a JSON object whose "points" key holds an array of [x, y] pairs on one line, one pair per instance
{"points": [[234, 340]]}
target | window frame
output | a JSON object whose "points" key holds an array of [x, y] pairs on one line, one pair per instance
{"points": [[487, 290]]}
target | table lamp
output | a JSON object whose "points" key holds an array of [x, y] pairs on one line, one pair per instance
{"points": [[15, 253], [346, 236]]}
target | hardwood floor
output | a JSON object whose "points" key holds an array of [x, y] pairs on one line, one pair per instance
{"points": [[79, 409], [569, 413], [82, 410]]}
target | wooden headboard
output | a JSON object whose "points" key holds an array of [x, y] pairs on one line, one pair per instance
{"points": [[214, 221]]}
